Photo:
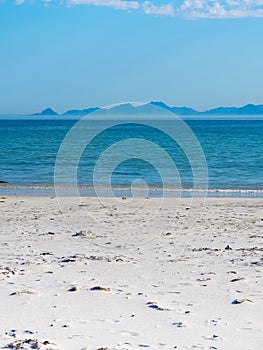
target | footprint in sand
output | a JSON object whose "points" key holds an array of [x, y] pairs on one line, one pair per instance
{"points": [[155, 306]]}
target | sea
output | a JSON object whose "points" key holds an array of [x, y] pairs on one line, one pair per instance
{"points": [[132, 155]]}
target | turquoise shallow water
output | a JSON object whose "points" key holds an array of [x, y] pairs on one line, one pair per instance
{"points": [[233, 150]]}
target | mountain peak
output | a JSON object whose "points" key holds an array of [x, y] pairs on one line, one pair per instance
{"points": [[47, 111]]}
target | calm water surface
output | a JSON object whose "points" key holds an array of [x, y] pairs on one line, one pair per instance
{"points": [[233, 151]]}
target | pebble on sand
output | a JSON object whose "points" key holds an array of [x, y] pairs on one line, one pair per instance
{"points": [[240, 301], [104, 289]]}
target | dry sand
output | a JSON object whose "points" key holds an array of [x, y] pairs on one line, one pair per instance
{"points": [[131, 274]]}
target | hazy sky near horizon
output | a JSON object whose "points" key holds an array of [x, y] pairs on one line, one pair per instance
{"points": [[82, 53]]}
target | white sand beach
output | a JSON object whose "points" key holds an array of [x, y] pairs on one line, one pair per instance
{"points": [[96, 277]]}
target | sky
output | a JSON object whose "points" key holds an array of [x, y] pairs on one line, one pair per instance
{"points": [[76, 54]]}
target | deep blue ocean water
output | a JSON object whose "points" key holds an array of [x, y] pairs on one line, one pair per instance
{"points": [[233, 150]]}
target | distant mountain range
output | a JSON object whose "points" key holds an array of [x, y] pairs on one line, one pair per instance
{"points": [[150, 108]]}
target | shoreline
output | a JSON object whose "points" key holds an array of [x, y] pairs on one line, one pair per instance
{"points": [[119, 191]]}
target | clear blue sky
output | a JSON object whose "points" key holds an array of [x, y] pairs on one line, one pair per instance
{"points": [[81, 53]]}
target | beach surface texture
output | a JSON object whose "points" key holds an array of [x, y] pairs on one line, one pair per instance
{"points": [[131, 274]]}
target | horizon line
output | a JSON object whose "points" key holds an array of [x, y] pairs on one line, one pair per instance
{"points": [[114, 105]]}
